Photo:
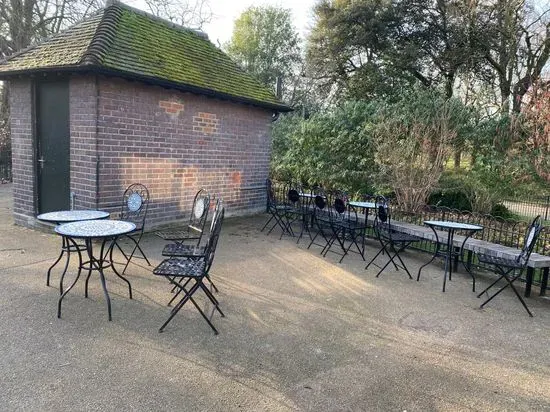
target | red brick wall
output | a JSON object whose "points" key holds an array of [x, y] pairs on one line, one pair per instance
{"points": [[83, 127], [176, 143], [22, 150]]}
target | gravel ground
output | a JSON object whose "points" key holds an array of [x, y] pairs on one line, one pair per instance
{"points": [[302, 332]]}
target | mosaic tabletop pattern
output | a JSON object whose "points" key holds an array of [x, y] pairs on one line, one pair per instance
{"points": [[364, 205], [452, 225], [65, 216], [95, 228]]}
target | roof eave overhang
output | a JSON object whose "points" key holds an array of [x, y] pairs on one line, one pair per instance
{"points": [[6, 75]]}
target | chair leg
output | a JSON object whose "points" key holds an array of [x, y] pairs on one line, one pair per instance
{"points": [[136, 247], [189, 297], [267, 223], [399, 257], [212, 299], [519, 296], [179, 305], [179, 287], [509, 283], [375, 256], [213, 284], [489, 287]]}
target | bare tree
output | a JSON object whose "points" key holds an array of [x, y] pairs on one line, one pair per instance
{"points": [[187, 13], [515, 37]]}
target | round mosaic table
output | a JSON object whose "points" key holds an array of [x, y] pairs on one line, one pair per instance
{"points": [[448, 252], [106, 230], [66, 216]]}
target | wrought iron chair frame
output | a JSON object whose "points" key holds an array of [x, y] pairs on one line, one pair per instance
{"points": [[321, 218], [297, 210], [136, 196], [345, 226], [277, 209], [389, 238], [512, 269], [187, 270], [181, 250], [194, 229]]}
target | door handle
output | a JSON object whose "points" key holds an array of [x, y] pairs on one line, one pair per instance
{"points": [[41, 161]]}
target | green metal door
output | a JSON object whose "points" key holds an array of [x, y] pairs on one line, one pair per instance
{"points": [[52, 131]]}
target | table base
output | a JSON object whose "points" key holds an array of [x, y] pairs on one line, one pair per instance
{"points": [[448, 254], [99, 264]]}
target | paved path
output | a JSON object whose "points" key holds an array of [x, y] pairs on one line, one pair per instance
{"points": [[301, 333]]}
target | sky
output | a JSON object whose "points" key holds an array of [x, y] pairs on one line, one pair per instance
{"points": [[224, 13]]}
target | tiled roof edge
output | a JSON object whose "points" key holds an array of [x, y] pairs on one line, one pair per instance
{"points": [[45, 40], [278, 107]]}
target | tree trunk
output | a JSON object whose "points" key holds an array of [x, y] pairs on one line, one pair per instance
{"points": [[457, 158]]}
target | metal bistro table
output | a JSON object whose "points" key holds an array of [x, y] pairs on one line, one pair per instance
{"points": [[448, 253], [363, 205], [107, 231], [366, 206], [67, 216]]}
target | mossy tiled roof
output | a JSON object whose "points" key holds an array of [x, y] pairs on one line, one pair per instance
{"points": [[121, 40]]}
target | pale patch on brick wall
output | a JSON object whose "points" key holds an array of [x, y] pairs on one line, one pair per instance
{"points": [[172, 187], [236, 178], [172, 107], [206, 123]]}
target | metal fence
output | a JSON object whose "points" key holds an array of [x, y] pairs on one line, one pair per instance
{"points": [[530, 207], [506, 232]]}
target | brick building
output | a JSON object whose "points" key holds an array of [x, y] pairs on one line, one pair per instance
{"points": [[124, 97]]}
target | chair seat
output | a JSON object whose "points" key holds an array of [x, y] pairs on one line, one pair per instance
{"points": [[355, 225], [398, 237], [178, 234], [299, 211], [499, 261], [180, 267], [281, 207], [182, 250]]}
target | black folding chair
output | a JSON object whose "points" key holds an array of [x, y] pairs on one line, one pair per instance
{"points": [[182, 271], [193, 231], [511, 269], [320, 219], [135, 202], [393, 242], [194, 251], [345, 227], [276, 207], [297, 210]]}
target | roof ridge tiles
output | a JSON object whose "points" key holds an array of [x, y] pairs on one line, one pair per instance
{"points": [[103, 37], [169, 23]]}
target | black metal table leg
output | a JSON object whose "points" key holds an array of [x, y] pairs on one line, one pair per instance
{"points": [[451, 254], [63, 249], [529, 281], [99, 263], [112, 264], [544, 282], [64, 293], [436, 253]]}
